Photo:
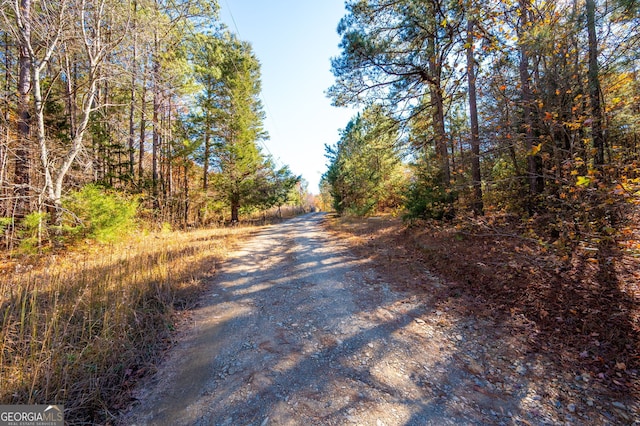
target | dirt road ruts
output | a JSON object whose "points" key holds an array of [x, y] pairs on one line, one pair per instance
{"points": [[297, 330]]}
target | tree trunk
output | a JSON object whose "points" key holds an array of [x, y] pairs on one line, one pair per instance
{"points": [[143, 126], [437, 103], [205, 165], [132, 96], [535, 184], [167, 155], [235, 208], [439, 128], [478, 207], [186, 193], [42, 143], [22, 152], [5, 145], [594, 86], [71, 72], [155, 144]]}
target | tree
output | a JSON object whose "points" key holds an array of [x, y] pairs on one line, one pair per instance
{"points": [[23, 147], [240, 164], [207, 54], [274, 188], [365, 169], [53, 21], [473, 116], [594, 86], [534, 174], [398, 52]]}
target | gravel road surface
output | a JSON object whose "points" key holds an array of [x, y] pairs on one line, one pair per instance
{"points": [[296, 330]]}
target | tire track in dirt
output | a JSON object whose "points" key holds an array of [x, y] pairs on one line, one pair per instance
{"points": [[297, 330]]}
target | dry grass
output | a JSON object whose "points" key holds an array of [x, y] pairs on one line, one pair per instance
{"points": [[78, 328]]}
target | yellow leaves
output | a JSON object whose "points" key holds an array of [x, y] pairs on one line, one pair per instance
{"points": [[583, 181], [536, 149], [615, 103], [572, 125], [444, 22]]}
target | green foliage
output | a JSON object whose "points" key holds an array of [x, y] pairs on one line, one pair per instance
{"points": [[426, 197], [96, 213], [33, 229], [231, 119], [506, 191], [5, 222], [274, 187], [213, 211], [365, 173]]}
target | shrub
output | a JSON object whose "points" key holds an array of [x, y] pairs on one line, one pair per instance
{"points": [[426, 197], [33, 230], [100, 214], [5, 222]]}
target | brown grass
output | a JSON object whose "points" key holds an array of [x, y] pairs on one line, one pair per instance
{"points": [[78, 328]]}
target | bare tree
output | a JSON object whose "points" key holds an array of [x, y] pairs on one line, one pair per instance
{"points": [[52, 22]]}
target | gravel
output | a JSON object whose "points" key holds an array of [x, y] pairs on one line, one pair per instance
{"points": [[298, 330]]}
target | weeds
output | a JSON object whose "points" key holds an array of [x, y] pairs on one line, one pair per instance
{"points": [[79, 328]]}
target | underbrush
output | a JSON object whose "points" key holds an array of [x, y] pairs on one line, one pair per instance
{"points": [[580, 306], [79, 328]]}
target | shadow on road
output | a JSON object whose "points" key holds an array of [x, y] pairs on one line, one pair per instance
{"points": [[299, 330]]}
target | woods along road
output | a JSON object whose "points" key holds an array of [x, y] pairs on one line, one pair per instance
{"points": [[295, 329]]}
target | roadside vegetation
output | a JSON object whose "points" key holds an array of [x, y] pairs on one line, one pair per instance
{"points": [[131, 137], [81, 326], [88, 306], [508, 141], [130, 132]]}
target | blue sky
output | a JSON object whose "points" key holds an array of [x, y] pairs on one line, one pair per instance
{"points": [[294, 41]]}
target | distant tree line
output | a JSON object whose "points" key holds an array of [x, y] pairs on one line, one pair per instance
{"points": [[522, 107], [151, 98]]}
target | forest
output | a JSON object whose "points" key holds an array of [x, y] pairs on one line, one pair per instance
{"points": [[506, 135], [525, 108], [119, 109]]}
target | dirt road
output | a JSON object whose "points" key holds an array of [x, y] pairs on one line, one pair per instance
{"points": [[296, 330]]}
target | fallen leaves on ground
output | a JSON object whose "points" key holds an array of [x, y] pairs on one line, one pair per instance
{"points": [[581, 309]]}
